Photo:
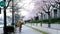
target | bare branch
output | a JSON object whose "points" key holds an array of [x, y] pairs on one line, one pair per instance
{"points": [[44, 10], [48, 5], [8, 4]]}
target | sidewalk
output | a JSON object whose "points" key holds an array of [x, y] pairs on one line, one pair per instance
{"points": [[49, 30], [26, 30], [1, 30]]}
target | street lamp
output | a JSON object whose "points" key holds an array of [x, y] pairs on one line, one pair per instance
{"points": [[5, 32]]}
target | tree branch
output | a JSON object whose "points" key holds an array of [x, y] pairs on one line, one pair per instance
{"points": [[48, 5], [8, 4], [44, 10]]}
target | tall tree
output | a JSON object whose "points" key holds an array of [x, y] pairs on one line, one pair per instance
{"points": [[41, 17], [47, 10]]}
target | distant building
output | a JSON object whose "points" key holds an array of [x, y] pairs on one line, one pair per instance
{"points": [[54, 11]]}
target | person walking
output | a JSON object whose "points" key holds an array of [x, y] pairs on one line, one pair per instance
{"points": [[19, 24]]}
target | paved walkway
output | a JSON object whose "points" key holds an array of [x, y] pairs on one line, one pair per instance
{"points": [[1, 30], [49, 30], [27, 30]]}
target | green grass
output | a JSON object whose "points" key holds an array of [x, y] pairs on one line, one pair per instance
{"points": [[43, 32]]}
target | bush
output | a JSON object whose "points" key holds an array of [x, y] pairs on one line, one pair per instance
{"points": [[53, 20], [10, 29]]}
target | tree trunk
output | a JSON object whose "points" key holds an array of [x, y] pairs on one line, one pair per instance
{"points": [[41, 19], [49, 20], [13, 12]]}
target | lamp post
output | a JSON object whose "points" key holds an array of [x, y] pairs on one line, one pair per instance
{"points": [[5, 32]]}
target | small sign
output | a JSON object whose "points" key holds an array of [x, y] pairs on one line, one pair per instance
{"points": [[2, 4]]}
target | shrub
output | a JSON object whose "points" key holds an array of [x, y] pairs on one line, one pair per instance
{"points": [[10, 29]]}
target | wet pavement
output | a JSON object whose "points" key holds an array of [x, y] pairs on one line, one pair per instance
{"points": [[27, 30]]}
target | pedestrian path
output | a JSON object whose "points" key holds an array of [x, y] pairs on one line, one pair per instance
{"points": [[1, 30], [48, 30], [27, 30]]}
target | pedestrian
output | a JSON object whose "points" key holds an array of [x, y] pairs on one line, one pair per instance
{"points": [[19, 24]]}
